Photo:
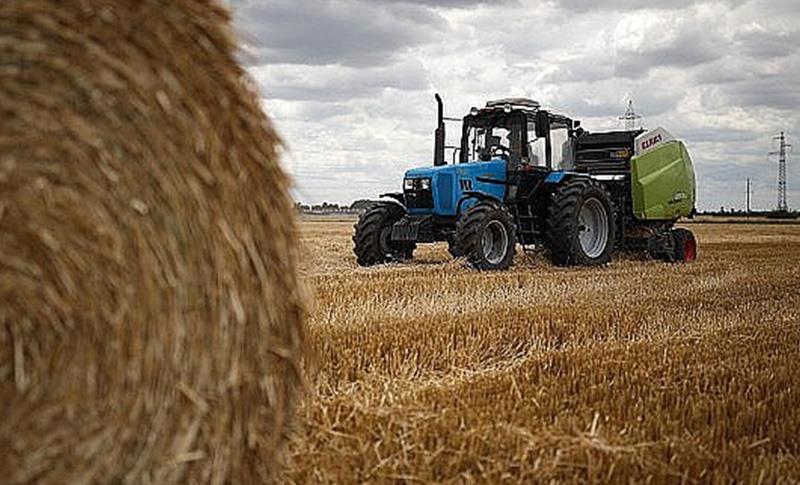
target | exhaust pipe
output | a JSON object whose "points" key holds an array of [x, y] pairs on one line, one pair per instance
{"points": [[438, 149]]}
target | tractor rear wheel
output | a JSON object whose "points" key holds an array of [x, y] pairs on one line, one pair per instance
{"points": [[373, 236], [581, 228], [685, 246], [487, 236]]}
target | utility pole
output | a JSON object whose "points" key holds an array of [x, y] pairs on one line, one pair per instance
{"points": [[781, 153], [748, 195], [630, 117]]}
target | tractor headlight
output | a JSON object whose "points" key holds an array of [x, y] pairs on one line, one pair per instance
{"points": [[417, 184]]}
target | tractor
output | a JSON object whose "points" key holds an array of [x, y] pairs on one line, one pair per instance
{"points": [[524, 175]]}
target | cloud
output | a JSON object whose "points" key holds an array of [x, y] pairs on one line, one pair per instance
{"points": [[337, 83], [627, 5], [346, 32], [711, 134], [763, 43], [448, 3], [644, 41], [774, 83]]}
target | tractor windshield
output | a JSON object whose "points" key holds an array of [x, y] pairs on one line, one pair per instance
{"points": [[493, 136]]}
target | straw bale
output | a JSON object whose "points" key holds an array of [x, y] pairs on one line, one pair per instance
{"points": [[150, 315]]}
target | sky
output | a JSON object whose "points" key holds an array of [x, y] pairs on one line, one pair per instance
{"points": [[349, 84]]}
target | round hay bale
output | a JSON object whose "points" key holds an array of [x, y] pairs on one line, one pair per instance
{"points": [[150, 313]]}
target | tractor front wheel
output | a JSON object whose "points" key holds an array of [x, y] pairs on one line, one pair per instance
{"points": [[487, 236], [581, 228], [373, 236], [685, 246]]}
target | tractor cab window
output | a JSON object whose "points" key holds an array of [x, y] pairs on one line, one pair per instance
{"points": [[559, 137], [536, 155], [494, 137]]}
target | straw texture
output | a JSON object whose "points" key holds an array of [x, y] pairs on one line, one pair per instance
{"points": [[150, 315]]}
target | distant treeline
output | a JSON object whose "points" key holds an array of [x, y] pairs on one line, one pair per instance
{"points": [[362, 204], [723, 212], [332, 208]]}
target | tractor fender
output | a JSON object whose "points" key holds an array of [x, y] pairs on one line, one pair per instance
{"points": [[560, 176], [390, 199], [480, 196]]}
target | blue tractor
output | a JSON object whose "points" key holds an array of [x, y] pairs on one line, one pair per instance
{"points": [[523, 175]]}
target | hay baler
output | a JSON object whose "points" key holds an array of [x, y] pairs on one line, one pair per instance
{"points": [[524, 175]]}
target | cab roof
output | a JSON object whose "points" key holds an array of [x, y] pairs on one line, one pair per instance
{"points": [[514, 103]]}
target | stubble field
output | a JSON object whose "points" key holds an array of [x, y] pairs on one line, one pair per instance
{"points": [[428, 371]]}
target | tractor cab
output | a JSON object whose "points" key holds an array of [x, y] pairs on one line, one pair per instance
{"points": [[519, 132]]}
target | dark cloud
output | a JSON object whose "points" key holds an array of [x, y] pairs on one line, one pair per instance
{"points": [[626, 5], [338, 83], [773, 83], [448, 3], [728, 69], [772, 8], [779, 91], [689, 44], [766, 44], [346, 32], [711, 134]]}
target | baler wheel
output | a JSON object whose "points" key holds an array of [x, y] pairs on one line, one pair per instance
{"points": [[685, 246]]}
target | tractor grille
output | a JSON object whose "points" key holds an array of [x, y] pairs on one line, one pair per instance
{"points": [[419, 199]]}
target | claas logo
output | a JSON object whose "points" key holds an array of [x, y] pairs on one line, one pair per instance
{"points": [[652, 141]]}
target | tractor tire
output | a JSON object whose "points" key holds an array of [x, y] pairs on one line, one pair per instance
{"points": [[685, 246], [373, 236], [487, 236], [580, 224], [453, 248]]}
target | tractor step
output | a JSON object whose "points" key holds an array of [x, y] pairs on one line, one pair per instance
{"points": [[525, 222]]}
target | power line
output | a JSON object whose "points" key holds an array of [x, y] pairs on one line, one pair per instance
{"points": [[781, 152]]}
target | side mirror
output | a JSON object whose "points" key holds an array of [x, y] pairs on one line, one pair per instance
{"points": [[576, 124]]}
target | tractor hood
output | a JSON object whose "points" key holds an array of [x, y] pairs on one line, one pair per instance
{"points": [[422, 172], [450, 182], [491, 169]]}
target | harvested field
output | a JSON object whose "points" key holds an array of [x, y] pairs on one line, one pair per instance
{"points": [[640, 370]]}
